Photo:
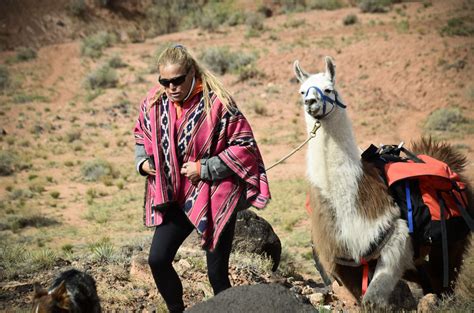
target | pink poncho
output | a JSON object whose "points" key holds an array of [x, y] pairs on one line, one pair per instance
{"points": [[208, 204]]}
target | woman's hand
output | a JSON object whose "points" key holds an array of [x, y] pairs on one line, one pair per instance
{"points": [[147, 169], [190, 170]]}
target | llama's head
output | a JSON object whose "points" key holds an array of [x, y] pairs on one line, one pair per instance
{"points": [[319, 95]]}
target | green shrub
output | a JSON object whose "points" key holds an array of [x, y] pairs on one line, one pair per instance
{"points": [[67, 248], [37, 221], [13, 259], [135, 35], [374, 6], [324, 4], [288, 6], [254, 263], [350, 19], [294, 23], [249, 71], [92, 46], [241, 59], [218, 59], [116, 62], [77, 8], [8, 163], [37, 187], [255, 21], [98, 169], [445, 119], [457, 27], [54, 194], [44, 259], [221, 60], [21, 97], [16, 259], [73, 135], [259, 108], [215, 14], [166, 16], [103, 251], [21, 194], [103, 77], [403, 26], [23, 54], [4, 77], [470, 93]]}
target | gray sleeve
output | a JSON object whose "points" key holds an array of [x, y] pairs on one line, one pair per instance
{"points": [[214, 169], [140, 157]]}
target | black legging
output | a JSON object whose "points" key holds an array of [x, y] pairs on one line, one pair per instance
{"points": [[167, 239]]}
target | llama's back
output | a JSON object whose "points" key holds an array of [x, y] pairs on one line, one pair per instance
{"points": [[441, 151]]}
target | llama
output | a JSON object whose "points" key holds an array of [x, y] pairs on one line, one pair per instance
{"points": [[354, 219]]}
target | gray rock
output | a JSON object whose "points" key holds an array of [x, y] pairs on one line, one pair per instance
{"points": [[255, 235], [402, 298], [270, 298], [427, 303]]}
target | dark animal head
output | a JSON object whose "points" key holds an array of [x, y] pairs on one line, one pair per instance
{"points": [[56, 300]]}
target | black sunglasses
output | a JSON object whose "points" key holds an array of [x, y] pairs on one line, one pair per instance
{"points": [[176, 81]]}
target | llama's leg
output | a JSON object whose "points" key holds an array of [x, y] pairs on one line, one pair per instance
{"points": [[395, 258]]}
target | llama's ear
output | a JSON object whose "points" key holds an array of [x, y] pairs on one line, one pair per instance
{"points": [[301, 74], [330, 69]]}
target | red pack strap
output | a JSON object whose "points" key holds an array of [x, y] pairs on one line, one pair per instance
{"points": [[402, 170], [365, 275]]}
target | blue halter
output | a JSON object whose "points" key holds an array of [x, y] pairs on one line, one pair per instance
{"points": [[326, 99]]}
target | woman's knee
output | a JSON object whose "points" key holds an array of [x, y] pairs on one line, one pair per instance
{"points": [[158, 261]]}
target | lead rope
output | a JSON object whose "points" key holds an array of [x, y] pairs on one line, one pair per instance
{"points": [[311, 135]]}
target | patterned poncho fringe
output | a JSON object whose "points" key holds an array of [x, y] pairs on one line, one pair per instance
{"points": [[208, 205]]}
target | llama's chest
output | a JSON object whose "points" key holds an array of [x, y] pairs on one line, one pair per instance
{"points": [[350, 231]]}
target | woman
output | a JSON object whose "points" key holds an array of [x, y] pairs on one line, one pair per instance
{"points": [[202, 165]]}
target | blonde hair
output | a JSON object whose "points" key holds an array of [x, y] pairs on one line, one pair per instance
{"points": [[177, 54]]}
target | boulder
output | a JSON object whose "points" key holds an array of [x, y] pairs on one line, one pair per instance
{"points": [[427, 304], [253, 234], [263, 298]]}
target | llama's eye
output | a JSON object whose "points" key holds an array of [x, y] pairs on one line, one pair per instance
{"points": [[327, 90], [302, 92]]}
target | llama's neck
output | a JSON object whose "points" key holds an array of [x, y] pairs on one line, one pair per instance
{"points": [[334, 158]]}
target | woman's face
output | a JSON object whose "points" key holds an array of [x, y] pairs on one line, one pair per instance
{"points": [[176, 81]]}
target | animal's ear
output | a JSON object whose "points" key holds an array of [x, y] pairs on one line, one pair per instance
{"points": [[330, 69], [39, 291], [301, 74], [60, 295]]}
